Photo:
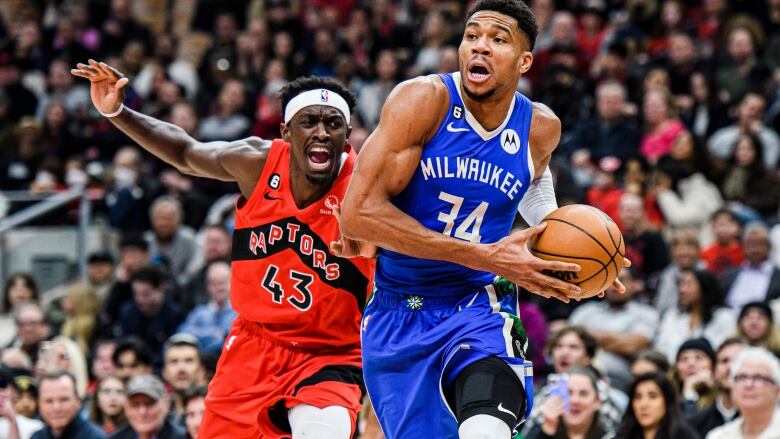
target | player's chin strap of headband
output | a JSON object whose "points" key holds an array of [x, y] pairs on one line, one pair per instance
{"points": [[319, 96]]}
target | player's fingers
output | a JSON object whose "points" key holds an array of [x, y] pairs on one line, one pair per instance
{"points": [[601, 294], [626, 262], [94, 64], [80, 73], [337, 213], [533, 231], [87, 68], [559, 284], [548, 292], [556, 266], [113, 71], [121, 83], [619, 286]]}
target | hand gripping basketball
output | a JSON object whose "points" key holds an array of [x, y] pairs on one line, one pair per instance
{"points": [[512, 259]]}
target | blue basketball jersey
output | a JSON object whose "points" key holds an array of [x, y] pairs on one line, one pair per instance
{"points": [[468, 185]]}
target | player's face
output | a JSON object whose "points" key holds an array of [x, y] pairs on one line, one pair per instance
{"points": [[317, 135], [493, 55]]}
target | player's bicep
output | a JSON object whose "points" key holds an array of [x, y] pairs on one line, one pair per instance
{"points": [[238, 160]]}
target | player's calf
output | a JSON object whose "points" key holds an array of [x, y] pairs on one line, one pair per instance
{"points": [[487, 398]]}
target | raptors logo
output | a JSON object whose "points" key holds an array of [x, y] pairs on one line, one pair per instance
{"points": [[510, 141], [331, 202]]}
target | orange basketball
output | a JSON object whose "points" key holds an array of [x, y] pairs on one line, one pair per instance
{"points": [[585, 236]]}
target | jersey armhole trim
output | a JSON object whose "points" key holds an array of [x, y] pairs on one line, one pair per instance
{"points": [[443, 123], [274, 152]]}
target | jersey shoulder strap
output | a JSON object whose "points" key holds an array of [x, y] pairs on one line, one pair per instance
{"points": [[276, 152]]}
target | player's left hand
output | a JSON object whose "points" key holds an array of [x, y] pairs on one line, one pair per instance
{"points": [[617, 284], [349, 248]]}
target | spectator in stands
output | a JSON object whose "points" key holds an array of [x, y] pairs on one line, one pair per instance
{"points": [[653, 411], [644, 247], [15, 358], [19, 288], [194, 407], [757, 279], [131, 357], [101, 360], [120, 27], [64, 89], [622, 326], [373, 94], [217, 244], [580, 417], [756, 326], [62, 353], [211, 322], [755, 378], [150, 315], [726, 252], [25, 395], [699, 314], [128, 194], [747, 182], [106, 408], [31, 329], [610, 132], [81, 305], [227, 122], [650, 361], [723, 410], [59, 405], [571, 347], [684, 245], [750, 115], [661, 125], [100, 273], [146, 408], [193, 200], [743, 70], [694, 372], [182, 366], [12, 424], [706, 113], [170, 242]]}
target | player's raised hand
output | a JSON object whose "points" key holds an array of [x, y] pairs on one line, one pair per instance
{"points": [[512, 259], [349, 248], [107, 84]]}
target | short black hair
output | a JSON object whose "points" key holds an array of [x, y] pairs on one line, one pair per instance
{"points": [[134, 240], [141, 350], [150, 274], [516, 9], [192, 393], [306, 83], [590, 343]]}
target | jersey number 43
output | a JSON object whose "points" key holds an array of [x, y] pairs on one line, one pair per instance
{"points": [[301, 299]]}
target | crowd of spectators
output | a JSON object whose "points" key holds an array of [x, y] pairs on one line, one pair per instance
{"points": [[670, 113]]}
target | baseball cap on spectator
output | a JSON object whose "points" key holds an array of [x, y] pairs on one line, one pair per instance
{"points": [[145, 384], [181, 338], [762, 307], [697, 344], [100, 256]]}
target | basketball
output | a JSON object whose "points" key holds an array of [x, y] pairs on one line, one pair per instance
{"points": [[585, 236]]}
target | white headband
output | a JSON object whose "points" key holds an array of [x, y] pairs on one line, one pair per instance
{"points": [[318, 96]]}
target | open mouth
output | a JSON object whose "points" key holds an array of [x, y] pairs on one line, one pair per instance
{"points": [[320, 157], [478, 73]]}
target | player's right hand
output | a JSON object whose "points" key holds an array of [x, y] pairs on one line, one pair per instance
{"points": [[107, 84], [511, 258]]}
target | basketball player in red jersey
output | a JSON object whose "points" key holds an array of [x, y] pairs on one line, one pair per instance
{"points": [[291, 363]]}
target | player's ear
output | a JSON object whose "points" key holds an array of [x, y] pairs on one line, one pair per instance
{"points": [[525, 61], [349, 131], [284, 129]]}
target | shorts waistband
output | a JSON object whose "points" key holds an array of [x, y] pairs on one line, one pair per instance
{"points": [[414, 302]]}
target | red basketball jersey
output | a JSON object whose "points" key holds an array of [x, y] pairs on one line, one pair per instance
{"points": [[284, 276]]}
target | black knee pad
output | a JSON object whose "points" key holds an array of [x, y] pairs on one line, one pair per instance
{"points": [[488, 387]]}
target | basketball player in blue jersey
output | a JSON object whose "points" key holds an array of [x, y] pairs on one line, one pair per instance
{"points": [[437, 187]]}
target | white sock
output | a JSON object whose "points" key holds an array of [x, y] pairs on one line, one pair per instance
{"points": [[484, 427], [331, 422]]}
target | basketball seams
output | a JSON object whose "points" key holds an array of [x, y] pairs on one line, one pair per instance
{"points": [[617, 247], [604, 267], [583, 231]]}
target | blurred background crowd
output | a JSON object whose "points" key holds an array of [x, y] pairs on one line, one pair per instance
{"points": [[670, 112]]}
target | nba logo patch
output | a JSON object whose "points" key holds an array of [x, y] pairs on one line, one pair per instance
{"points": [[324, 95], [510, 141]]}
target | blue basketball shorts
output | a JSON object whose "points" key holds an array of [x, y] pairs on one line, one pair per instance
{"points": [[414, 347]]}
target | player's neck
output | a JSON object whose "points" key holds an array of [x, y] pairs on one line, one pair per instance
{"points": [[491, 112], [304, 191]]}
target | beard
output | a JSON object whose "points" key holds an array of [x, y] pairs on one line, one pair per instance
{"points": [[320, 179], [479, 97]]}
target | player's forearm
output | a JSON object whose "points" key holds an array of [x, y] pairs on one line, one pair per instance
{"points": [[165, 140], [385, 225]]}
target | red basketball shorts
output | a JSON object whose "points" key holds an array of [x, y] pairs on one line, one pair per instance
{"points": [[257, 381]]}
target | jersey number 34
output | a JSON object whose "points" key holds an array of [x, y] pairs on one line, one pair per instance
{"points": [[473, 221]]}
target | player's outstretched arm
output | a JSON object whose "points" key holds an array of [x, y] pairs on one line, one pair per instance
{"points": [[385, 166], [241, 161]]}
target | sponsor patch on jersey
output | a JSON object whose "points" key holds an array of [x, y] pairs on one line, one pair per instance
{"points": [[510, 141]]}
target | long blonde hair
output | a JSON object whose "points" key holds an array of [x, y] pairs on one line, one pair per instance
{"points": [[77, 362], [84, 305]]}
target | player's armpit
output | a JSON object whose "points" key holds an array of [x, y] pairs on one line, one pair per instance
{"points": [[543, 137]]}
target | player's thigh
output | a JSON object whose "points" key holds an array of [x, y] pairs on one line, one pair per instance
{"points": [[215, 425], [331, 422], [488, 387]]}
